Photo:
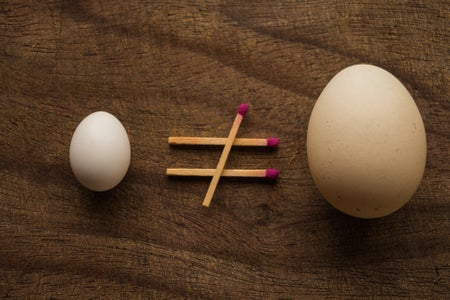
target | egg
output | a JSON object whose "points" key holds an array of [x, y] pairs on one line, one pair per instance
{"points": [[100, 151], [366, 142]]}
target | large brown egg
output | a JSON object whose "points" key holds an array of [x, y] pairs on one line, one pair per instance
{"points": [[366, 142]]}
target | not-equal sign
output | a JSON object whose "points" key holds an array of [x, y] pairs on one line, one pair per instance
{"points": [[228, 142]]}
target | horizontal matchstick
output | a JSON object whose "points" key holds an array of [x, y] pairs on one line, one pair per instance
{"points": [[182, 140], [266, 173]]}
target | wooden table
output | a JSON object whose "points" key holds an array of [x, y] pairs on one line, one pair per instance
{"points": [[168, 68]]}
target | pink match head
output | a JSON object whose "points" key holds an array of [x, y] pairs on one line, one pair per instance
{"points": [[272, 173], [272, 142], [243, 108]]}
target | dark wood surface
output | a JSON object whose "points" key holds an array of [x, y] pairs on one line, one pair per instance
{"points": [[169, 68]]}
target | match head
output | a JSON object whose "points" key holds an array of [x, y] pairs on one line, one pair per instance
{"points": [[243, 108], [272, 142], [272, 174]]}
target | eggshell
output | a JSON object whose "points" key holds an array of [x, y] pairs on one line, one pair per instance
{"points": [[100, 151], [366, 142]]}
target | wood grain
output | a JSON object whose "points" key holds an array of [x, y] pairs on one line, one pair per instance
{"points": [[180, 68]]}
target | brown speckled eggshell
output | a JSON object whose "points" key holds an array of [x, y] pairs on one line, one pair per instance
{"points": [[366, 142]]}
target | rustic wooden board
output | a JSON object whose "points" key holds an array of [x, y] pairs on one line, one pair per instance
{"points": [[169, 68]]}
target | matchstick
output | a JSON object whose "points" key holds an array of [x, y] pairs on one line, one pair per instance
{"points": [[263, 173], [182, 140], [242, 110]]}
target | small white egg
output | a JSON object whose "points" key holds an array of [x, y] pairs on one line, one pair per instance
{"points": [[100, 151], [366, 142]]}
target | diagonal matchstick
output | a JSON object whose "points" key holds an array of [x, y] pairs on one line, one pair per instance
{"points": [[242, 110]]}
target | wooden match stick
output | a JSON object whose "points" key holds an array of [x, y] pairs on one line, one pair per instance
{"points": [[183, 140], [265, 173], [242, 110]]}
